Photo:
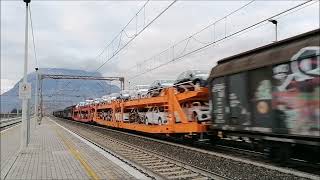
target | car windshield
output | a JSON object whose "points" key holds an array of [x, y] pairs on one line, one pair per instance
{"points": [[142, 86], [166, 81], [200, 72], [201, 103], [114, 94]]}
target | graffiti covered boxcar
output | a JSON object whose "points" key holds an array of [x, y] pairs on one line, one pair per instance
{"points": [[270, 94]]}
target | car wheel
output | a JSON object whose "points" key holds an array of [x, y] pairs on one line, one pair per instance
{"points": [[180, 89], [195, 116], [197, 84], [159, 120]]}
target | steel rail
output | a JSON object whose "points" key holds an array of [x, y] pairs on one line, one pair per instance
{"points": [[163, 166], [245, 153], [8, 123]]}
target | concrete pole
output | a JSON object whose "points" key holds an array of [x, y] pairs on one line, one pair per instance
{"points": [[25, 125], [36, 99]]}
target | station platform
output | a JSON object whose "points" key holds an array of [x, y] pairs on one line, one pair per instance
{"points": [[56, 153]]}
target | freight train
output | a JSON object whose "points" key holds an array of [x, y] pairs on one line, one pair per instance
{"points": [[268, 96]]}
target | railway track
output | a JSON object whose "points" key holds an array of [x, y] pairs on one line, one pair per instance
{"points": [[162, 167], [247, 153], [167, 159], [7, 123], [153, 164]]}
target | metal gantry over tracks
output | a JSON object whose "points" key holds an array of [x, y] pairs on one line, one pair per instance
{"points": [[41, 77]]}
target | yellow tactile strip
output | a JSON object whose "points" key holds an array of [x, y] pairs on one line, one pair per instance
{"points": [[89, 170]]}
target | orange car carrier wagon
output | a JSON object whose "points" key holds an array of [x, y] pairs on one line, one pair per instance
{"points": [[131, 114]]}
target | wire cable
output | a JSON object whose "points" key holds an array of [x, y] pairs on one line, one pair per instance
{"points": [[227, 37], [102, 51], [34, 44], [206, 27], [137, 34], [114, 53]]}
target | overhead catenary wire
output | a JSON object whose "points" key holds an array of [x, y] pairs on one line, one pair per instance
{"points": [[192, 36], [114, 39], [137, 34], [295, 8], [33, 39], [123, 29], [114, 53]]}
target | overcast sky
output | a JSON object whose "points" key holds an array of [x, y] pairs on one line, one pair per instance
{"points": [[70, 34]]}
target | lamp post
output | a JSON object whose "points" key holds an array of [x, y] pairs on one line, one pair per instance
{"points": [[275, 22], [24, 90]]}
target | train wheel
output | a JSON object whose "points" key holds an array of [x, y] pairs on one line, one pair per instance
{"points": [[280, 153]]}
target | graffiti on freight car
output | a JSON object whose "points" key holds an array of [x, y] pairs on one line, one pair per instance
{"points": [[219, 102], [304, 65], [296, 92], [263, 91]]}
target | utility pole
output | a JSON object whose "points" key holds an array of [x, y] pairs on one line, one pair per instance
{"points": [[36, 99], [25, 91]]}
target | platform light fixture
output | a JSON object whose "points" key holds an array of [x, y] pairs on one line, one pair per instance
{"points": [[275, 22]]}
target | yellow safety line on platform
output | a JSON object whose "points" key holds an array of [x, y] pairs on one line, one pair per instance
{"points": [[78, 156]]}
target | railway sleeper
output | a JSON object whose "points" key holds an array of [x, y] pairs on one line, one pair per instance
{"points": [[154, 164], [138, 154], [201, 178], [150, 161], [174, 172], [185, 176], [163, 166], [159, 165], [143, 156], [130, 153], [168, 169], [142, 159]]}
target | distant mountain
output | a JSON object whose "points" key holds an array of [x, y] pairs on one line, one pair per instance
{"points": [[58, 94]]}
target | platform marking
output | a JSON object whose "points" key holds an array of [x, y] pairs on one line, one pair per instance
{"points": [[78, 156], [135, 173], [8, 165]]}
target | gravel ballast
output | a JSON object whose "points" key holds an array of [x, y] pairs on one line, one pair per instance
{"points": [[213, 163]]}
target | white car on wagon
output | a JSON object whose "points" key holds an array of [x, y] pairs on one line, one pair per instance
{"points": [[156, 115]]}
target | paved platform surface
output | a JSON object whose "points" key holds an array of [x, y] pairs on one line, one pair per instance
{"points": [[54, 153]]}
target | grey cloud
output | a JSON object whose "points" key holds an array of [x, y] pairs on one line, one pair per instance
{"points": [[70, 34]]}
